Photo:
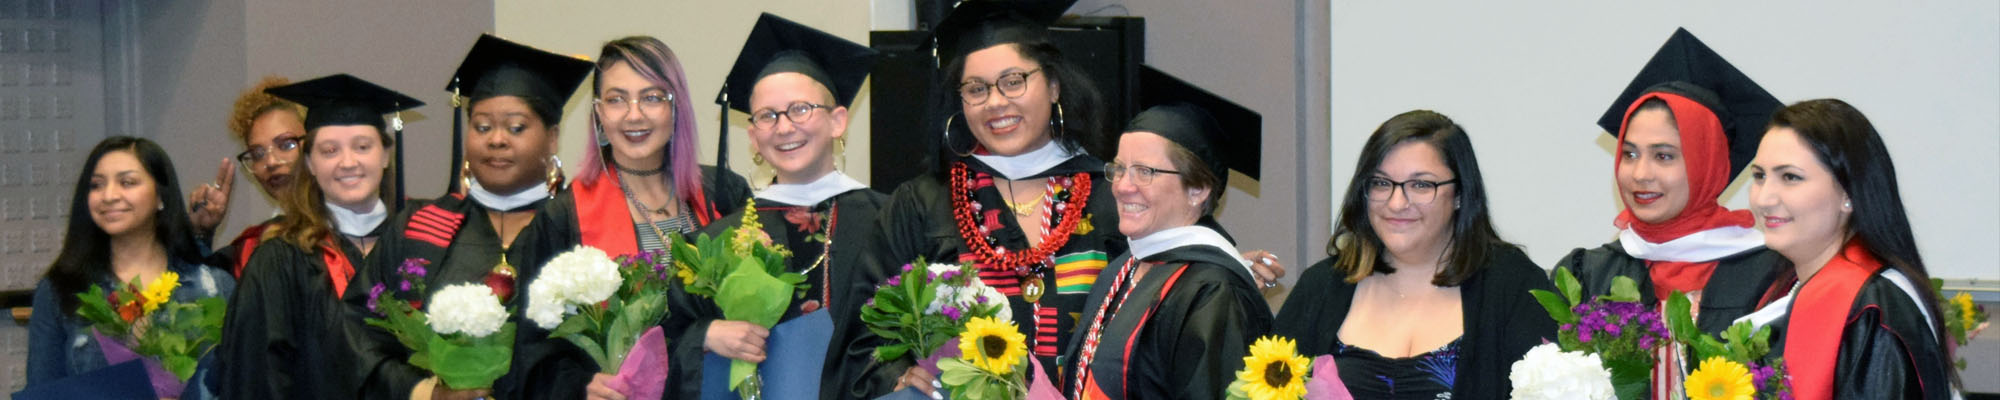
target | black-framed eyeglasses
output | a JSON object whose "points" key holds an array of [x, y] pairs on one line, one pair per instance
{"points": [[649, 103], [1418, 191], [800, 112], [1010, 86], [259, 153], [1141, 175]]}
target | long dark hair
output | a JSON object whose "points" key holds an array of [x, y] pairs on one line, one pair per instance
{"points": [[1843, 140], [86, 253], [1079, 98], [1472, 236]]}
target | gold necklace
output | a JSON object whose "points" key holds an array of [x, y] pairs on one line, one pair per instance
{"points": [[1025, 208]]}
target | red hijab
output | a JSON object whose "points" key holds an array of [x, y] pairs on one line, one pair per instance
{"points": [[1705, 150]]}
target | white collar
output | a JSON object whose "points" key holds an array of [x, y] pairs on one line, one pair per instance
{"points": [[807, 194], [1029, 163], [1191, 235], [507, 202], [1708, 245], [360, 224]]}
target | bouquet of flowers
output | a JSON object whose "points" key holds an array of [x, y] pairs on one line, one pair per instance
{"points": [[138, 321], [744, 273], [994, 364], [609, 309], [922, 309], [463, 335], [1548, 372], [1732, 367], [1963, 319], [1614, 327], [1274, 370]]}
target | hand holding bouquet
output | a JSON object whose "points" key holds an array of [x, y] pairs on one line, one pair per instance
{"points": [[605, 307], [141, 321], [463, 336]]}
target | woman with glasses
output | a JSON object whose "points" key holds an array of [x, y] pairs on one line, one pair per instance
{"points": [[1681, 138], [796, 83], [285, 330], [1174, 317], [1857, 318], [1421, 298], [270, 129]]}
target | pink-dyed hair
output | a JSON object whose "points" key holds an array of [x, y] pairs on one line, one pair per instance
{"points": [[657, 64]]}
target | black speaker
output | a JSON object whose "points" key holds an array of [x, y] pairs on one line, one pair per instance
{"points": [[1109, 49]]}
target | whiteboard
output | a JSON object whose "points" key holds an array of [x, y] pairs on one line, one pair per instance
{"points": [[1527, 80]]}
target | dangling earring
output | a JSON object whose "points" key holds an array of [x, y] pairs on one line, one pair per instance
{"points": [[757, 158], [947, 137], [555, 175], [465, 175], [840, 154], [1059, 123]]}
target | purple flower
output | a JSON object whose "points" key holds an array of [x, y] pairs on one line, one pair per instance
{"points": [[895, 280], [1583, 336], [948, 275], [951, 311], [1613, 330], [981, 299], [375, 295], [870, 302], [907, 267], [1646, 342], [405, 286]]}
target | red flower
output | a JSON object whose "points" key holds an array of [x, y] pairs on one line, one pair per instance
{"points": [[808, 221]]}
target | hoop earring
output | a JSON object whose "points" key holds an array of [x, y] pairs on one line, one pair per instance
{"points": [[1059, 123], [757, 158], [555, 175], [947, 137]]}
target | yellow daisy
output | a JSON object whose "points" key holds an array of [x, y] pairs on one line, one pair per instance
{"points": [[1274, 370], [992, 345], [1720, 379], [160, 290]]}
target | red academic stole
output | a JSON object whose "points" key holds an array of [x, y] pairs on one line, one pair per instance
{"points": [[338, 267], [245, 244], [1091, 389], [603, 221], [1812, 343]]}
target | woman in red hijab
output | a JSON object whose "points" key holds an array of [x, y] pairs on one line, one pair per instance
{"points": [[1686, 125]]}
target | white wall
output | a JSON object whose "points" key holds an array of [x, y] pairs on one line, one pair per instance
{"points": [[1529, 79], [706, 35]]}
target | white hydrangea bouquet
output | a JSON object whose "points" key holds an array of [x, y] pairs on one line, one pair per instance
{"points": [[1548, 372], [462, 335], [609, 308]]}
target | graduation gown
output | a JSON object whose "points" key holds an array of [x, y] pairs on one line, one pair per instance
{"points": [[1181, 331], [236, 255], [594, 214], [1886, 347], [853, 215], [462, 245], [1732, 291], [920, 222], [285, 332], [1501, 320]]}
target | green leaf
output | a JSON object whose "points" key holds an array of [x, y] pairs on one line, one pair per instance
{"points": [[181, 366], [1557, 308], [468, 367], [1623, 290], [956, 372], [891, 352], [1680, 317], [1566, 282], [749, 294], [595, 351]]}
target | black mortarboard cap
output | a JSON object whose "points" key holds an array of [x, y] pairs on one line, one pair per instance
{"points": [[1685, 66], [498, 67], [979, 24], [779, 45], [1223, 134], [344, 100]]}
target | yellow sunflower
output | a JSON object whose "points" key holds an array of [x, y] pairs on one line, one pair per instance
{"points": [[1720, 379], [992, 345], [159, 291], [1274, 370], [1967, 312]]}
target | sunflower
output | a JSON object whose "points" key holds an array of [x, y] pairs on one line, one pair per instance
{"points": [[992, 345], [160, 290], [1274, 370], [1968, 313], [1720, 379]]}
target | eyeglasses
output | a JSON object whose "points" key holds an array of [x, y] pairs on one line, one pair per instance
{"points": [[799, 112], [1417, 191], [257, 154], [650, 103], [1010, 86], [1141, 175]]}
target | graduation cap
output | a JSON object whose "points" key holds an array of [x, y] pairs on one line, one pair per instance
{"points": [[778, 45], [978, 24], [343, 99], [1686, 67], [1223, 134], [498, 67]]}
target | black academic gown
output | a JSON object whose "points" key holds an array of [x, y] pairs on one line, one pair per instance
{"points": [[470, 248], [285, 333], [1185, 343], [853, 214], [1732, 291], [557, 368], [1501, 320], [919, 222], [1887, 348]]}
